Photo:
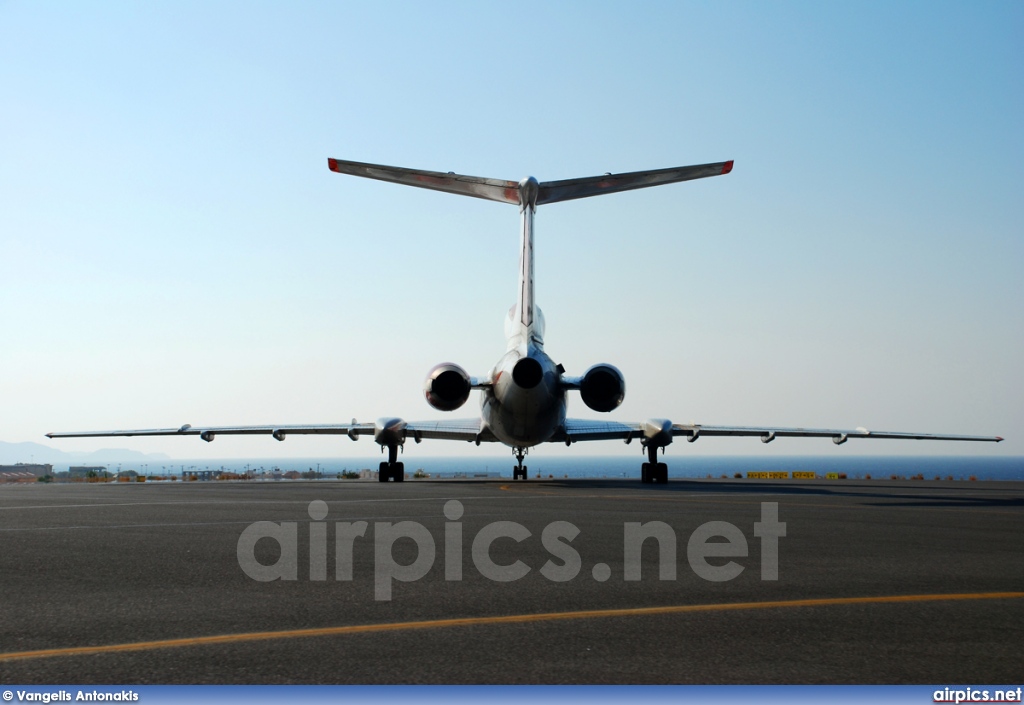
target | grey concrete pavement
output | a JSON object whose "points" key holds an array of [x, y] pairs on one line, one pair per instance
{"points": [[102, 564]]}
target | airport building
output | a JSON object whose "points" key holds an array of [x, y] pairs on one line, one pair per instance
{"points": [[199, 474], [24, 471], [82, 471]]}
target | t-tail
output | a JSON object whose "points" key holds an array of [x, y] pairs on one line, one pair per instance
{"points": [[526, 323]]}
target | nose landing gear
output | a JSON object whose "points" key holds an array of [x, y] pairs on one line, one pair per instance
{"points": [[519, 471], [392, 469], [653, 471]]}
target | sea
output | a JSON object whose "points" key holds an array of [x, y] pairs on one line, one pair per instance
{"points": [[959, 468]]}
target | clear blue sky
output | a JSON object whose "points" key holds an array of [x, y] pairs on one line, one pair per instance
{"points": [[174, 248]]}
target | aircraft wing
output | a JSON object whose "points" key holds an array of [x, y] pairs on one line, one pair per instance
{"points": [[590, 430], [207, 433], [452, 430], [838, 436]]}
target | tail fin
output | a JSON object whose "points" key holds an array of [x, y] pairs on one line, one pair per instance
{"points": [[508, 191]]}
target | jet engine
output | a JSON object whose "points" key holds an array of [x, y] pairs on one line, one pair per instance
{"points": [[603, 387], [447, 387]]}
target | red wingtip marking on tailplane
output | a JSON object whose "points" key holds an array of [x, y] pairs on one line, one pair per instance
{"points": [[727, 167], [332, 164]]}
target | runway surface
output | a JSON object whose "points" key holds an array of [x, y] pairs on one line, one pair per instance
{"points": [[878, 582]]}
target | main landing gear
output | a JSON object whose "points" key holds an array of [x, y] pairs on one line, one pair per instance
{"points": [[653, 471], [519, 471], [392, 469]]}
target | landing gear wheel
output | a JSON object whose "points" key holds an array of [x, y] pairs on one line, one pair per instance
{"points": [[519, 470], [384, 472], [398, 472], [653, 471]]}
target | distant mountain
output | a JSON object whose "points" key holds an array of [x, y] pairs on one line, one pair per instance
{"points": [[27, 452]]}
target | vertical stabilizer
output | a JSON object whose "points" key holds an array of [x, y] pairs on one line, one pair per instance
{"points": [[525, 316]]}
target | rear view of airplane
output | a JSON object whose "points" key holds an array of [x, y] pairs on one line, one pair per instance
{"points": [[524, 397]]}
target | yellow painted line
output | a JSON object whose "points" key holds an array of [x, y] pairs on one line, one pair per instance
{"points": [[486, 621]]}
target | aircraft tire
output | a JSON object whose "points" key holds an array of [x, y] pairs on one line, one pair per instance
{"points": [[645, 473], [661, 473], [383, 473], [398, 472]]}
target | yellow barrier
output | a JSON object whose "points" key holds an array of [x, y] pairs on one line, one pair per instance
{"points": [[832, 476], [798, 475], [767, 475]]}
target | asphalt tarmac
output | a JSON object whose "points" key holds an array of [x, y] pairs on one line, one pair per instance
{"points": [[878, 582]]}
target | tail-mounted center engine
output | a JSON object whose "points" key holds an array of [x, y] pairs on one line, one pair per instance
{"points": [[602, 387], [447, 387]]}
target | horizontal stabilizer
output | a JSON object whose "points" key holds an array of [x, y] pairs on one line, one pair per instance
{"points": [[508, 191], [476, 186], [554, 191]]}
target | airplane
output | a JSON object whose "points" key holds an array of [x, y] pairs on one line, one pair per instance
{"points": [[524, 397]]}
